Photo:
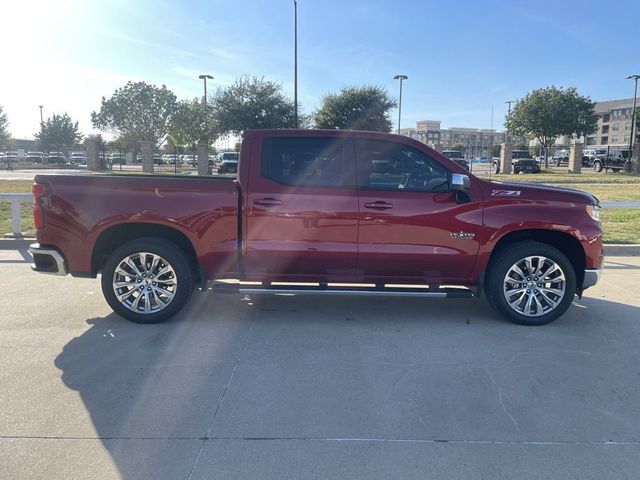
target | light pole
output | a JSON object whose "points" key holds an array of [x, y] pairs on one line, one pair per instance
{"points": [[401, 78], [509, 102], [40, 107], [204, 161], [295, 63], [633, 118], [204, 77]]}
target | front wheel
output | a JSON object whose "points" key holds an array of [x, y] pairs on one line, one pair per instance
{"points": [[147, 280], [531, 283], [597, 167]]}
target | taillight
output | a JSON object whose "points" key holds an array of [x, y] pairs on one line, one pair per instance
{"points": [[41, 193]]}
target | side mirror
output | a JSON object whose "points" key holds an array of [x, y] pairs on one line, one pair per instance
{"points": [[460, 182]]}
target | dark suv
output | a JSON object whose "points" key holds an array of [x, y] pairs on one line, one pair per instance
{"points": [[457, 157], [605, 159], [521, 161]]}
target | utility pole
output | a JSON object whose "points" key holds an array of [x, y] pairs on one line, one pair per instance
{"points": [[509, 102], [41, 121], [401, 78], [295, 63], [633, 118]]}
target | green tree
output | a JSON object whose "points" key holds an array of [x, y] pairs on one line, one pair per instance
{"points": [[4, 127], [136, 112], [251, 103], [192, 124], [58, 132], [547, 113], [97, 138], [356, 108]]}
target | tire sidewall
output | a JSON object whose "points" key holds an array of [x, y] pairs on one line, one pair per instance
{"points": [[173, 255], [503, 262]]}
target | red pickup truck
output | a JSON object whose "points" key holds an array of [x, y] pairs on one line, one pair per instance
{"points": [[321, 211]]}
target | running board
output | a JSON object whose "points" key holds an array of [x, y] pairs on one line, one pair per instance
{"points": [[442, 292]]}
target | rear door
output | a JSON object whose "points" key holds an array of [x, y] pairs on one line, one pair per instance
{"points": [[410, 223], [301, 208]]}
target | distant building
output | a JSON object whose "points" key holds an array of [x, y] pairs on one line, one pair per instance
{"points": [[475, 142], [614, 123], [613, 129]]}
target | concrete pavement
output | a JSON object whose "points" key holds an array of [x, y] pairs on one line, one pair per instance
{"points": [[296, 387]]}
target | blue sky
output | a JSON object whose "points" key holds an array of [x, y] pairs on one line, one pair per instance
{"points": [[461, 57]]}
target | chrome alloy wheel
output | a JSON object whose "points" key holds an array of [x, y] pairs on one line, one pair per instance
{"points": [[144, 282], [534, 286]]}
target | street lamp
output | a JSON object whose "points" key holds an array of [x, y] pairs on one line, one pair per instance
{"points": [[401, 78], [509, 102], [633, 118], [295, 63], [40, 107], [204, 77]]}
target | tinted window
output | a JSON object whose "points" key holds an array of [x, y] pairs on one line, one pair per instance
{"points": [[318, 162], [393, 166]]}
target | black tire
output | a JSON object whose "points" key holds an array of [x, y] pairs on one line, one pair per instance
{"points": [[179, 281], [496, 168], [556, 162], [502, 264], [597, 167]]}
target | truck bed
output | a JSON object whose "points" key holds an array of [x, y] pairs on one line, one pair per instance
{"points": [[87, 208]]}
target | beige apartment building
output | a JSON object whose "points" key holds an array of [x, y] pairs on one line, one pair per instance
{"points": [[477, 142], [613, 129], [614, 124]]}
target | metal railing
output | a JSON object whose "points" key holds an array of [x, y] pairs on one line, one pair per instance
{"points": [[16, 199]]}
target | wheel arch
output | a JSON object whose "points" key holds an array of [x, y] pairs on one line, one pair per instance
{"points": [[563, 241], [116, 235]]}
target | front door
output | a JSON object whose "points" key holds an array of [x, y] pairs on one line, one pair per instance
{"points": [[302, 209], [410, 223]]}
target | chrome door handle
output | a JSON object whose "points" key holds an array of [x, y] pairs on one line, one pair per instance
{"points": [[268, 202], [379, 205]]}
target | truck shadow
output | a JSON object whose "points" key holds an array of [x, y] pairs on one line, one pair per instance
{"points": [[154, 391]]}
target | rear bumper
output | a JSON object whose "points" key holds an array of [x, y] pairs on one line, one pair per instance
{"points": [[47, 260], [591, 277]]}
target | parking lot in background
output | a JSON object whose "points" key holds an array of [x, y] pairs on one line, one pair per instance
{"points": [[315, 387]]}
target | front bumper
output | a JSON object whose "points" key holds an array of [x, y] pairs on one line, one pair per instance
{"points": [[47, 260], [591, 277]]}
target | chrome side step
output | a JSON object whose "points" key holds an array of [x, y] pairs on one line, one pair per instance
{"points": [[323, 289]]}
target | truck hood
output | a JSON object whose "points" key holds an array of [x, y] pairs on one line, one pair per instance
{"points": [[530, 191]]}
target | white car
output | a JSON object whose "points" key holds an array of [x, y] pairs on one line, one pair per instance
{"points": [[79, 158]]}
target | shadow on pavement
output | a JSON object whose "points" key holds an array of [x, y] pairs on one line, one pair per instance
{"points": [[165, 383]]}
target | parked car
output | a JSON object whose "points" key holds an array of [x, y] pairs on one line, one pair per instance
{"points": [[34, 157], [560, 157], [457, 157], [521, 161], [171, 159], [117, 159], [228, 166], [12, 156], [78, 158], [310, 210], [605, 158], [56, 157]]}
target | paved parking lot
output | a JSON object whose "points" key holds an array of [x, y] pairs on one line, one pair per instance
{"points": [[333, 387]]}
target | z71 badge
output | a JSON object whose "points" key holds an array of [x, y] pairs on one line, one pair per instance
{"points": [[505, 193]]}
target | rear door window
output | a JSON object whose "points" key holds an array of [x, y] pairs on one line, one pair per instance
{"points": [[314, 162]]}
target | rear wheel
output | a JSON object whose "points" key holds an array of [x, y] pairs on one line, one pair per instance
{"points": [[147, 280], [597, 166], [531, 283]]}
